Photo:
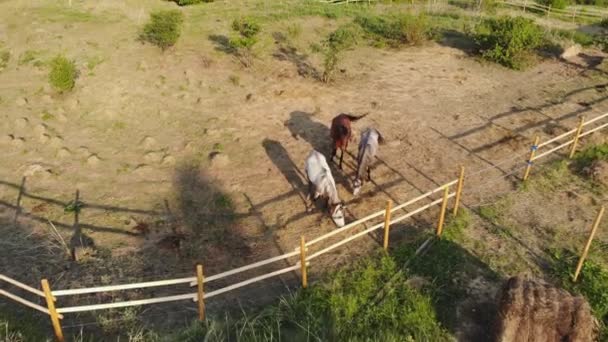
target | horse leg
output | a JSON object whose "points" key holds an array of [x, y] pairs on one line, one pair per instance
{"points": [[311, 196], [334, 151], [369, 174], [341, 157]]}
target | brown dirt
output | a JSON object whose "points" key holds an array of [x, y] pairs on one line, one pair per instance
{"points": [[532, 311], [598, 171]]}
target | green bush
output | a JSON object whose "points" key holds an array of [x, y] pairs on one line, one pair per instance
{"points": [[247, 30], [163, 29], [604, 23], [557, 4], [508, 40], [190, 2], [404, 29], [63, 74], [589, 155], [341, 39]]}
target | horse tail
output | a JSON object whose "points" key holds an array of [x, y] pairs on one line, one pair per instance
{"points": [[354, 117]]}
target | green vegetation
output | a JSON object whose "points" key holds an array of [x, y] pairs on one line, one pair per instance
{"points": [[63, 74], [163, 29], [294, 30], [395, 30], [28, 56], [588, 156], [592, 284], [247, 30], [190, 2], [554, 4], [337, 42], [604, 23], [5, 56], [509, 41]]}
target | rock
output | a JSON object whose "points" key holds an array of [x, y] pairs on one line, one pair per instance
{"points": [[571, 51], [64, 152], [93, 160], [154, 157], [21, 122], [22, 101], [168, 160], [148, 142], [218, 159], [34, 169]]}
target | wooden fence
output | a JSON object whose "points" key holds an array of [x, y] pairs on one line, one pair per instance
{"points": [[587, 12], [450, 189]]}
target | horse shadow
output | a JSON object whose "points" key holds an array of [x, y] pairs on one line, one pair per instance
{"points": [[301, 125], [287, 52], [281, 159]]}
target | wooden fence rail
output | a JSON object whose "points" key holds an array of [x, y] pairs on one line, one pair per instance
{"points": [[197, 279]]}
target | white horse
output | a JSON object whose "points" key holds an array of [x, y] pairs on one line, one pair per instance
{"points": [[368, 147], [321, 184]]}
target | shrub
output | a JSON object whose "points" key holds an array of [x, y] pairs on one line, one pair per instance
{"points": [[341, 39], [396, 30], [247, 30], [63, 74], [5, 56], [507, 40], [588, 156], [163, 29], [604, 23], [557, 4]]}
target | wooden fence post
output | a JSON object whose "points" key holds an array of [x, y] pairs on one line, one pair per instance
{"points": [[459, 190], [200, 279], [444, 206], [530, 159], [596, 224], [303, 262], [50, 303], [577, 136], [525, 3], [387, 223]]}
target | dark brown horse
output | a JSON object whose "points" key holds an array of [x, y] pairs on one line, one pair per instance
{"points": [[341, 133]]}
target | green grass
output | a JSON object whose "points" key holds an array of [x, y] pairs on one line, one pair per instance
{"points": [[163, 29], [5, 56], [395, 30], [589, 155], [592, 284], [28, 56], [63, 74]]}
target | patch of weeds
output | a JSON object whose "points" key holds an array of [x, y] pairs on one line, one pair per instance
{"points": [[5, 56], [46, 116], [73, 207], [190, 2], [114, 321], [235, 80], [508, 41], [554, 4], [223, 202], [28, 56], [395, 30], [490, 213], [588, 156], [553, 178], [163, 29], [63, 74], [338, 41], [456, 225], [242, 44], [92, 62], [592, 284], [604, 23], [294, 30], [119, 125]]}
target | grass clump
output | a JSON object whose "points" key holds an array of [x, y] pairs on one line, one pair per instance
{"points": [[508, 41], [5, 56], [63, 74], [395, 30], [554, 4], [592, 284], [247, 31], [588, 156], [163, 29], [342, 308]]}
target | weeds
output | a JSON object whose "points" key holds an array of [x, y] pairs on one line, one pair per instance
{"points": [[235, 80], [294, 30], [588, 156], [163, 29], [404, 29], [332, 47], [63, 74], [5, 56], [247, 30], [508, 41], [28, 56], [190, 2]]}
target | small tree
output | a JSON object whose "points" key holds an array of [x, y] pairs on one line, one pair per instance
{"points": [[63, 74], [337, 42], [163, 29], [247, 30]]}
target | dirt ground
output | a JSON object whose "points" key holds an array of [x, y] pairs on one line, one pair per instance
{"points": [[188, 139]]}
